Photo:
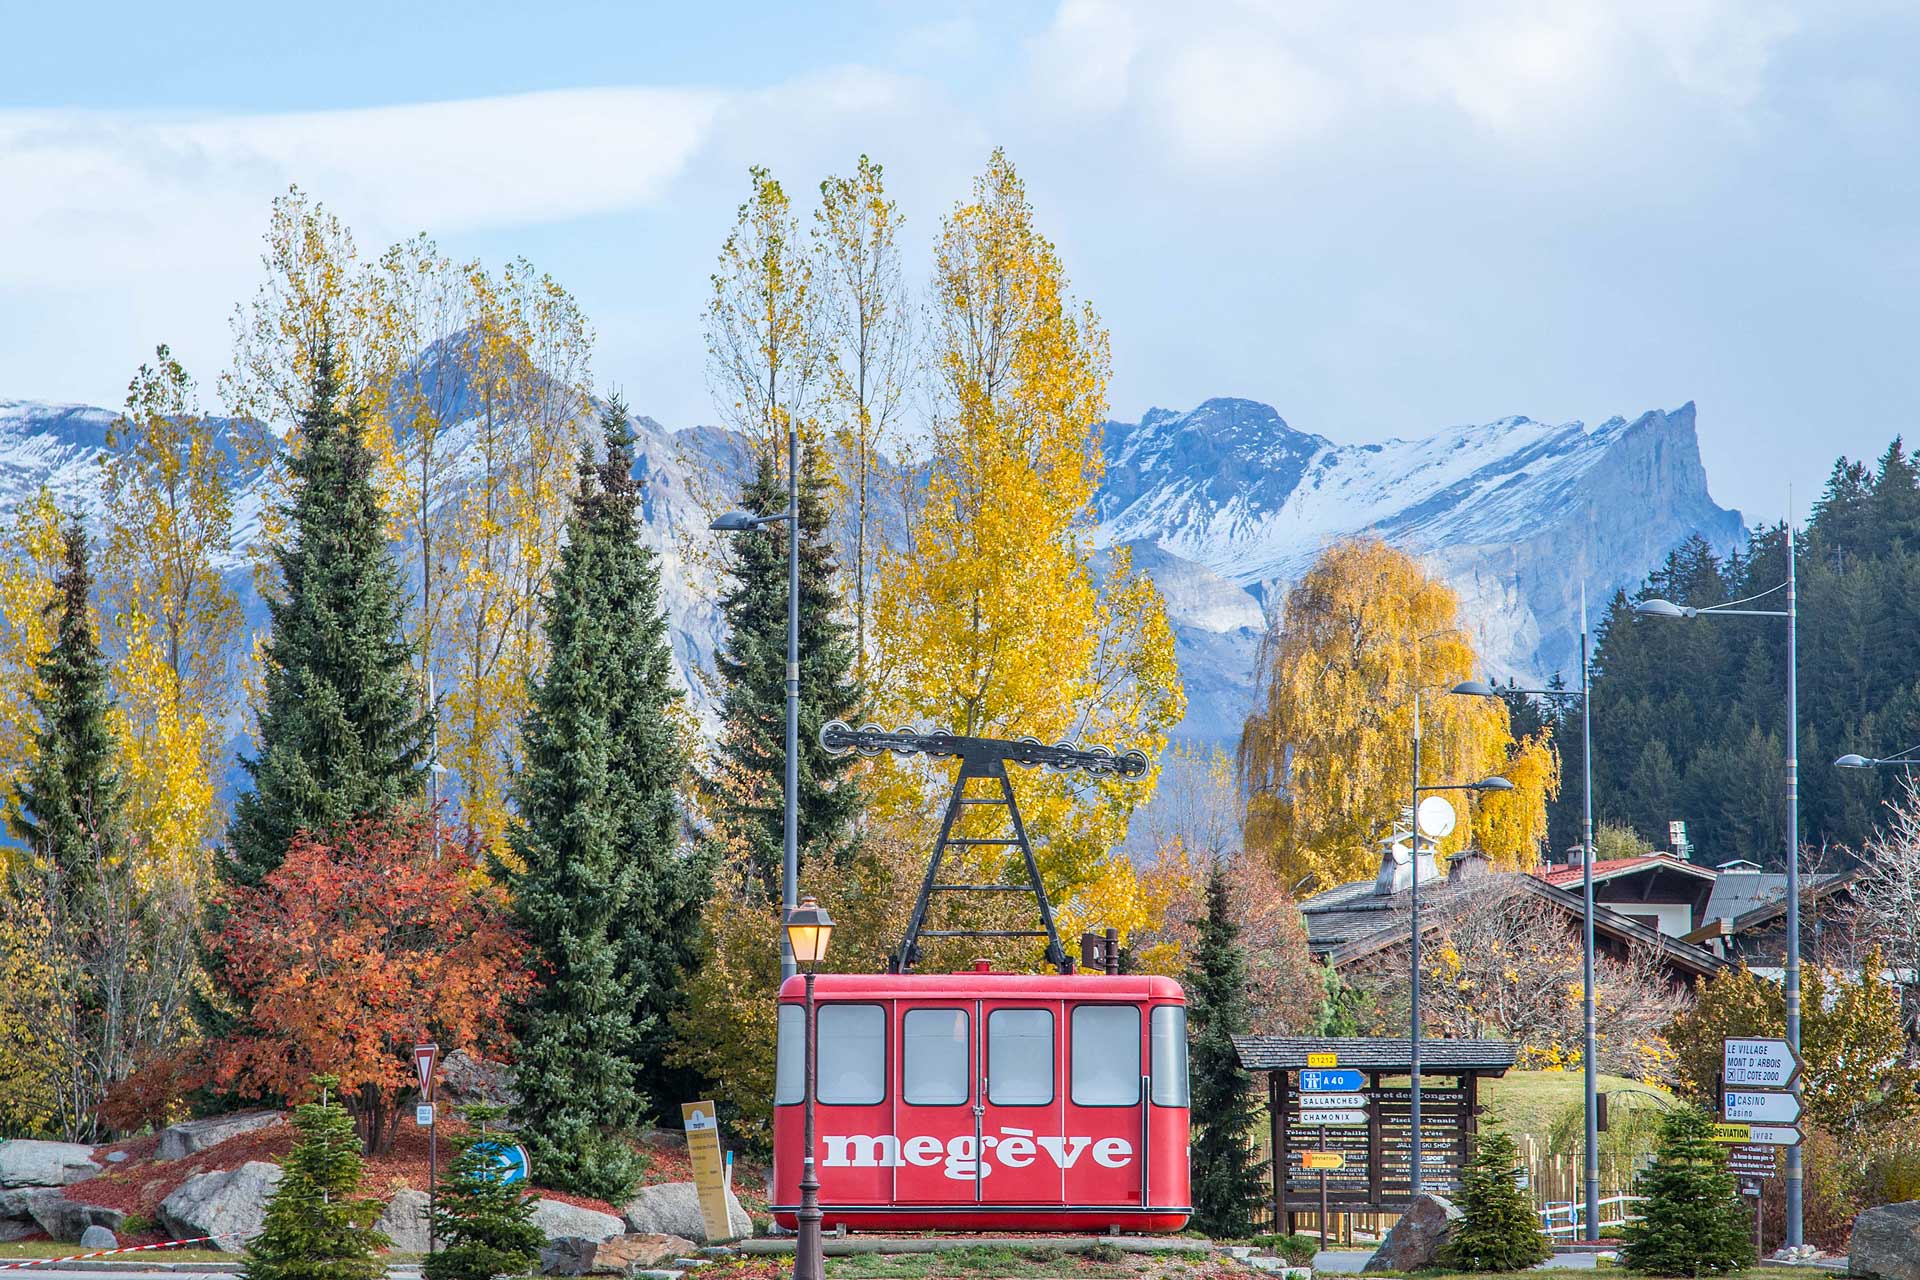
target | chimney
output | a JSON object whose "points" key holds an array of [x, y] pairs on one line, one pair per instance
{"points": [[1576, 855], [1468, 864]]}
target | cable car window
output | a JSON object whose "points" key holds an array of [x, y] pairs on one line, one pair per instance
{"points": [[1170, 1055], [852, 1054], [789, 1066], [1106, 1055], [933, 1065], [1020, 1057]]}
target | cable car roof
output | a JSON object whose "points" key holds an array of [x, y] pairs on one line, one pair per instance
{"points": [[974, 984]]}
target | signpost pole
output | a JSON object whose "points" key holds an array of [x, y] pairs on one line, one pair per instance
{"points": [[426, 1062]]}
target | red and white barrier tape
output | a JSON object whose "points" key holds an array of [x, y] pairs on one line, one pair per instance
{"points": [[132, 1248]]}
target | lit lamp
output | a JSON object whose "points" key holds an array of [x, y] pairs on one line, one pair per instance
{"points": [[809, 930]]}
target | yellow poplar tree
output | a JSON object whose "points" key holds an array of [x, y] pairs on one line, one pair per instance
{"points": [[28, 560], [994, 623], [865, 326], [174, 621], [1327, 755]]}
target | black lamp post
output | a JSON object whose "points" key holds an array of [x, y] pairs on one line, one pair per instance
{"points": [[809, 929], [745, 522]]}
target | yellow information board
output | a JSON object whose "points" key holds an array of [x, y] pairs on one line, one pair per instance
{"points": [[1732, 1133], [709, 1167], [1318, 1060]]}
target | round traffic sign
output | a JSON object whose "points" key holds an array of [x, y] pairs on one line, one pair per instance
{"points": [[508, 1162]]}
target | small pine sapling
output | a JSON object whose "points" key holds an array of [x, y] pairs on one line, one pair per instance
{"points": [[484, 1224], [316, 1228], [1500, 1230], [1692, 1222]]}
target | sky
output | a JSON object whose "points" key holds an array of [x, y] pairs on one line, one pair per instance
{"points": [[1381, 219]]}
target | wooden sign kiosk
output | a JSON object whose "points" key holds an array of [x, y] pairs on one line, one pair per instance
{"points": [[1375, 1174]]}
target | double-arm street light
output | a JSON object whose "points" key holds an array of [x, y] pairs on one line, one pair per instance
{"points": [[1413, 1039], [809, 929], [1656, 608], [744, 522], [1589, 1057]]}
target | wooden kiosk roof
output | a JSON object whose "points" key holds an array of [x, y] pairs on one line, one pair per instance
{"points": [[1370, 1053]]}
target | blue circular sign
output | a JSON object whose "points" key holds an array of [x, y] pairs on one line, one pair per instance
{"points": [[509, 1163]]}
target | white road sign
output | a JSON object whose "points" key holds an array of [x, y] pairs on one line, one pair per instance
{"points": [[1338, 1101], [1759, 1064], [1762, 1107], [1335, 1119], [1773, 1135]]}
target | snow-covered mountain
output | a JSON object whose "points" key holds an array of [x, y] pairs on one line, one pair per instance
{"points": [[1515, 514], [1222, 505]]}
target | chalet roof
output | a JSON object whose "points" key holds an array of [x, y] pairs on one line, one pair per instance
{"points": [[1611, 868], [1369, 1053], [1745, 900]]}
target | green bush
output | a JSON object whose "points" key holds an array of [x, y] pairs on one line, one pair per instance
{"points": [[1692, 1222], [1294, 1250], [1499, 1230]]}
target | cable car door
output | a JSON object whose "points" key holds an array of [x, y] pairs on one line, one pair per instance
{"points": [[1021, 1124], [936, 1121], [1106, 1114]]}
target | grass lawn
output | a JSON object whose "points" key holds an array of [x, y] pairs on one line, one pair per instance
{"points": [[1530, 1101], [1028, 1263], [67, 1249]]}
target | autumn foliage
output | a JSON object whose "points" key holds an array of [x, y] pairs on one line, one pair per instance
{"points": [[356, 947]]}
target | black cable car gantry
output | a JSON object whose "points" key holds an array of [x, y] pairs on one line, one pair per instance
{"points": [[982, 758]]}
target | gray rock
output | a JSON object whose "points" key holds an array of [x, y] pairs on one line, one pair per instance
{"points": [[1418, 1236], [1886, 1242], [98, 1237], [27, 1163], [405, 1220], [18, 1202], [17, 1229], [465, 1079], [568, 1256], [623, 1255], [179, 1141], [64, 1219], [228, 1204], [673, 1208], [559, 1220]]}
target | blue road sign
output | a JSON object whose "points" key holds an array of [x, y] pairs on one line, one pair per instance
{"points": [[1331, 1082], [510, 1163]]}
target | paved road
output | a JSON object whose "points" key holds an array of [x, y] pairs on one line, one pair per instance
{"points": [[1349, 1261]]}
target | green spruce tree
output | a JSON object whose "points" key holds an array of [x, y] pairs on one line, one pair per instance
{"points": [[603, 889], [484, 1224], [1692, 1222], [1225, 1169], [67, 806], [341, 731], [316, 1227], [1500, 1230], [752, 665]]}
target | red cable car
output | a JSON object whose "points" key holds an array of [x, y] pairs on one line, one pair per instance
{"points": [[988, 1101], [984, 1100]]}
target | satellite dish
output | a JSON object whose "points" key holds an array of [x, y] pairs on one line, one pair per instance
{"points": [[1436, 817]]}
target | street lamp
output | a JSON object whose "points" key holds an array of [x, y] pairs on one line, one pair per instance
{"points": [[809, 929], [1656, 608], [1905, 760], [1589, 1054], [747, 522]]}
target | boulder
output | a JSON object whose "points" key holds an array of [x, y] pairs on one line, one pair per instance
{"points": [[98, 1237], [18, 1202], [1416, 1239], [64, 1219], [557, 1220], [228, 1204], [179, 1141], [405, 1221], [465, 1079], [1886, 1242], [17, 1229], [673, 1208], [620, 1256], [27, 1163]]}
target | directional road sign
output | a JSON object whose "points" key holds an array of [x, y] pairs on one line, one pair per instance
{"points": [[1339, 1100], [1761, 1106], [1322, 1160], [1343, 1119], [1751, 1160], [1731, 1133], [1773, 1135], [1759, 1063], [1344, 1081], [509, 1162]]}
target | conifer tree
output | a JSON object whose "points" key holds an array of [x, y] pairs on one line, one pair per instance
{"points": [[752, 666], [341, 735], [484, 1224], [602, 889], [1692, 1222], [1500, 1230], [67, 806], [316, 1227], [1226, 1173]]}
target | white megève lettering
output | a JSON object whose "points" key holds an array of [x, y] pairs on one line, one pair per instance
{"points": [[1017, 1148], [863, 1151], [1112, 1153], [1066, 1152], [923, 1151], [961, 1162]]}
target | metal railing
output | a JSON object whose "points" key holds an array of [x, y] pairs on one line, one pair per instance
{"points": [[1575, 1214]]}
